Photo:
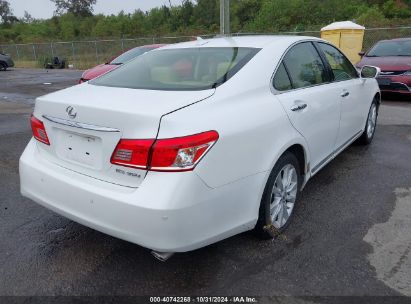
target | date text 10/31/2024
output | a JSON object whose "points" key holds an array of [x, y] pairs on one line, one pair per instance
{"points": [[234, 299]]}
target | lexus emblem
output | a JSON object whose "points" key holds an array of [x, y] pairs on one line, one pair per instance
{"points": [[71, 112]]}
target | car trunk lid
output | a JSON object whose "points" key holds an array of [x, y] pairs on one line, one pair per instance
{"points": [[85, 123]]}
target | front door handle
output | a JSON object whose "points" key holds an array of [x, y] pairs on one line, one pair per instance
{"points": [[298, 107], [345, 93]]}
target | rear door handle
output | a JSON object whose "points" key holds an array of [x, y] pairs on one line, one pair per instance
{"points": [[298, 107], [345, 93]]}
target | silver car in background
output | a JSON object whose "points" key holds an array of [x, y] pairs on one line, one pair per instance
{"points": [[5, 62]]}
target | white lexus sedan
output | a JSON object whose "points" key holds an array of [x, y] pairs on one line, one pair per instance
{"points": [[195, 142]]}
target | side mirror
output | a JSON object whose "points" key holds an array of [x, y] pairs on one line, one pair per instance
{"points": [[368, 71], [361, 54]]}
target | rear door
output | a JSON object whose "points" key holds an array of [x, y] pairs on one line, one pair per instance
{"points": [[310, 100], [351, 93]]}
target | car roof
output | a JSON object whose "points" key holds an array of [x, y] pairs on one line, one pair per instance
{"points": [[396, 39], [255, 41], [151, 46]]}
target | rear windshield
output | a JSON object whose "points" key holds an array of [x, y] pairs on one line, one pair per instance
{"points": [[131, 54], [179, 69], [391, 48]]}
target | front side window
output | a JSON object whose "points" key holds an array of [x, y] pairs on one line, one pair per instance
{"points": [[305, 66], [341, 67], [179, 69]]}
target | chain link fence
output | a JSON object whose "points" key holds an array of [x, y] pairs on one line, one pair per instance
{"points": [[80, 54], [373, 35], [85, 54]]}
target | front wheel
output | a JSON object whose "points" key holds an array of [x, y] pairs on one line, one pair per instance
{"points": [[370, 126], [3, 66], [280, 196]]}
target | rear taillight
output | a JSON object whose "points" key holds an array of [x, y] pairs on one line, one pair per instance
{"points": [[181, 153], [132, 153], [39, 132], [174, 154]]}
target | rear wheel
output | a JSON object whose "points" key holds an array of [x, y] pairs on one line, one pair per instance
{"points": [[370, 125], [3, 66], [280, 196]]}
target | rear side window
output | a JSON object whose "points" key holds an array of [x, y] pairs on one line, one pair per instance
{"points": [[341, 67], [305, 66], [281, 80], [179, 69]]}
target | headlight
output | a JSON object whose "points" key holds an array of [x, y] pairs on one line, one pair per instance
{"points": [[407, 73]]}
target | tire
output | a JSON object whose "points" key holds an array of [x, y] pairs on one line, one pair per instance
{"points": [[3, 66], [370, 125], [277, 207]]}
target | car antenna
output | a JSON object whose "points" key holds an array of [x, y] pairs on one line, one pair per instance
{"points": [[201, 41]]}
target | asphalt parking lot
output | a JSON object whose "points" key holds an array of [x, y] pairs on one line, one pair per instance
{"points": [[351, 234]]}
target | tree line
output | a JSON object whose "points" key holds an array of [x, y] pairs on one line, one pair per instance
{"points": [[74, 19]]}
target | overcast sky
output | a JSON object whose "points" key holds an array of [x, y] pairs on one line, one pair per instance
{"points": [[45, 8]]}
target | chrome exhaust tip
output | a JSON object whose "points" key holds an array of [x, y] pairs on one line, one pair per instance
{"points": [[162, 256]]}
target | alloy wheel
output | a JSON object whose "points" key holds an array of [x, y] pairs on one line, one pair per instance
{"points": [[372, 120], [283, 196]]}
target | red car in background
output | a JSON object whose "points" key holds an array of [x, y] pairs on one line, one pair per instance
{"points": [[119, 60], [393, 57]]}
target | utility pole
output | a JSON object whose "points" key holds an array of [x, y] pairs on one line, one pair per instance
{"points": [[225, 17]]}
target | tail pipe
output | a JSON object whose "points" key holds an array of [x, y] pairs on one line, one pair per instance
{"points": [[162, 256]]}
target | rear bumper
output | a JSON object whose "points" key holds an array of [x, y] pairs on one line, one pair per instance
{"points": [[10, 63], [169, 212]]}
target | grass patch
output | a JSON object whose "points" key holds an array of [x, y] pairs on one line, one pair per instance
{"points": [[26, 64]]}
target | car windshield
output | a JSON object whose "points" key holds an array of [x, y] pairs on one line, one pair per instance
{"points": [[391, 48], [131, 54], [179, 69]]}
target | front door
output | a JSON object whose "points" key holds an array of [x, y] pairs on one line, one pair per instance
{"points": [[350, 89]]}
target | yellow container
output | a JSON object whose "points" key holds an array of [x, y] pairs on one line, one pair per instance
{"points": [[347, 36]]}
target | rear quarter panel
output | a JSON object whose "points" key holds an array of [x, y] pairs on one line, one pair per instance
{"points": [[254, 131]]}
